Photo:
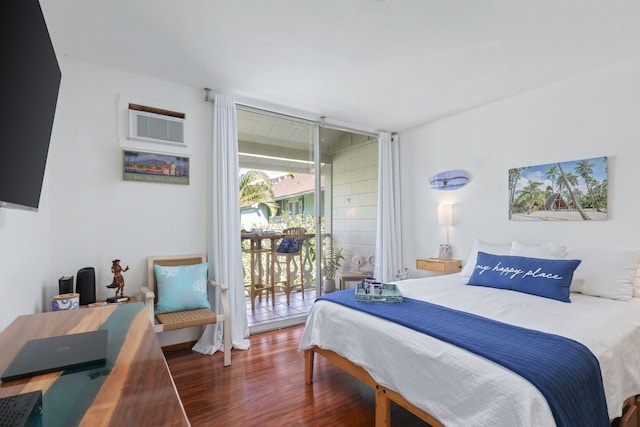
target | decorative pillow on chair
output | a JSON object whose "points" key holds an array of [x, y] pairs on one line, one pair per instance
{"points": [[290, 246], [549, 278], [182, 287]]}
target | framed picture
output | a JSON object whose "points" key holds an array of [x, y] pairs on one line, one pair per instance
{"points": [[154, 167], [562, 191]]}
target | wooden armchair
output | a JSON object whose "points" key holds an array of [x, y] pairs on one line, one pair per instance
{"points": [[188, 318]]}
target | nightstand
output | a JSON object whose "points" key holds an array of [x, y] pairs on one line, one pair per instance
{"points": [[437, 265]]}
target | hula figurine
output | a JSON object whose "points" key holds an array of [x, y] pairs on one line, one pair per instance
{"points": [[118, 279]]}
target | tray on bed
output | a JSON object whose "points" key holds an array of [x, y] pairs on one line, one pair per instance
{"points": [[390, 294]]}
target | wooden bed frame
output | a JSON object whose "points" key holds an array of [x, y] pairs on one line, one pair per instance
{"points": [[384, 396]]}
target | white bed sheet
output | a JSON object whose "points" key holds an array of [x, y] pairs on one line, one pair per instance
{"points": [[460, 388]]}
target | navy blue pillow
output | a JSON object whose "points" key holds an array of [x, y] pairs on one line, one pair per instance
{"points": [[289, 246], [549, 278]]}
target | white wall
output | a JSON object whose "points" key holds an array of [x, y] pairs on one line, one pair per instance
{"points": [[355, 193], [88, 215], [595, 114], [24, 260], [95, 215]]}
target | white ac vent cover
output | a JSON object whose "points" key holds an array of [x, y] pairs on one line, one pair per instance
{"points": [[151, 127]]}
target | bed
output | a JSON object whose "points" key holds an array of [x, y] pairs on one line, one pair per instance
{"points": [[447, 385]]}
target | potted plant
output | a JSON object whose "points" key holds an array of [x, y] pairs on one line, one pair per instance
{"points": [[332, 261]]}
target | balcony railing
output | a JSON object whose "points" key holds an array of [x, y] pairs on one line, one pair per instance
{"points": [[260, 270]]}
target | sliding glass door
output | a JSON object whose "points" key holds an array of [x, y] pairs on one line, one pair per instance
{"points": [[296, 173], [278, 193], [350, 169]]}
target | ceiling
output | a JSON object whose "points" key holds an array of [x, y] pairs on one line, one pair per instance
{"points": [[372, 64]]}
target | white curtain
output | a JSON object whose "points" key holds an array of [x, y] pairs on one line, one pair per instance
{"points": [[388, 234], [225, 257]]}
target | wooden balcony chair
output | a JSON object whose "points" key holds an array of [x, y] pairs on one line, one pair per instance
{"points": [[289, 254], [259, 275], [184, 296]]}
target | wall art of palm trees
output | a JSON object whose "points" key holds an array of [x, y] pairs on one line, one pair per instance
{"points": [[562, 191]]}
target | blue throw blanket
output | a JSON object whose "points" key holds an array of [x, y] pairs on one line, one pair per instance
{"points": [[565, 371]]}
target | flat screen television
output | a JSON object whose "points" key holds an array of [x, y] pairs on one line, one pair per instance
{"points": [[30, 83]]}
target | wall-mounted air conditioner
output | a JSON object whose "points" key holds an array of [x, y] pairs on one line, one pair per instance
{"points": [[158, 128]]}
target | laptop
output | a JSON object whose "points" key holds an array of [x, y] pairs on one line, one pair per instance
{"points": [[21, 410], [42, 355]]}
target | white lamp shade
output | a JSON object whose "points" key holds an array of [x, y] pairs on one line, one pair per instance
{"points": [[445, 215]]}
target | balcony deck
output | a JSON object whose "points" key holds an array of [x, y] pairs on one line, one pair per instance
{"points": [[266, 313]]}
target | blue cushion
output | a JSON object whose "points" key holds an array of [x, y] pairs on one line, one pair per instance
{"points": [[289, 246], [549, 278], [181, 287]]}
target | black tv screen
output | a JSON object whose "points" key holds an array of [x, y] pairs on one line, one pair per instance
{"points": [[30, 83]]}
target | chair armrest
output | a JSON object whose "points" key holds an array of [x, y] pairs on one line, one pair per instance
{"points": [[149, 297]]}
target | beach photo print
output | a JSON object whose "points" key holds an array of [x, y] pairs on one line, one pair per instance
{"points": [[562, 191]]}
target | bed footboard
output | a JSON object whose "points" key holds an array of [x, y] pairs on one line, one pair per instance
{"points": [[384, 395]]}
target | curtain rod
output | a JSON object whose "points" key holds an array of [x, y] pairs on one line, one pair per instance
{"points": [[321, 122]]}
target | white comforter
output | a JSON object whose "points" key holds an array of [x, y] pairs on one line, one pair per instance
{"points": [[462, 389]]}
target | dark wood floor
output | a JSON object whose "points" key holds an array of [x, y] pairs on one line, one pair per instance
{"points": [[264, 386]]}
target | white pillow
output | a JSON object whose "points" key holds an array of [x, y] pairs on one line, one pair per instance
{"points": [[538, 250], [605, 272], [481, 246]]}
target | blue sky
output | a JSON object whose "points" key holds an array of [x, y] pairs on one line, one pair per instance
{"points": [[538, 172]]}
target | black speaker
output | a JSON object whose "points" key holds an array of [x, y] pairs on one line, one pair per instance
{"points": [[86, 285], [65, 285]]}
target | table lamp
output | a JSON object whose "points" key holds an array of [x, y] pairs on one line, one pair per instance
{"points": [[445, 219]]}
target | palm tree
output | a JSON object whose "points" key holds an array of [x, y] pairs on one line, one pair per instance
{"points": [[565, 179], [600, 193], [552, 175], [585, 169], [532, 194], [564, 190], [514, 177], [255, 188]]}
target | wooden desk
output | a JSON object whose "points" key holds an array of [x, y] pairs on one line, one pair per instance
{"points": [[133, 388]]}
